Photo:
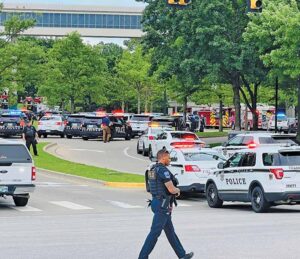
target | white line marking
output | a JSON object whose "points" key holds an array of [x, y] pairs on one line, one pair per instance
{"points": [[125, 151], [124, 205], [26, 209], [183, 205], [53, 184], [89, 150], [70, 205]]}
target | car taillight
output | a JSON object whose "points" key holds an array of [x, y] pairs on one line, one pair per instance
{"points": [[277, 172], [40, 123], [192, 168], [33, 173], [58, 123], [252, 145], [151, 137], [183, 144], [65, 123]]}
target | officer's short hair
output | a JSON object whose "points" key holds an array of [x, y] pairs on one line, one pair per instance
{"points": [[161, 153]]}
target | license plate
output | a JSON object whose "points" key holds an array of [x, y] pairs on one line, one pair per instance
{"points": [[90, 126], [74, 125], [3, 189], [10, 124], [48, 131]]}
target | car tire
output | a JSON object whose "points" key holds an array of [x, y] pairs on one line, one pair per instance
{"points": [[69, 136], [150, 154], [258, 200], [62, 135], [212, 196], [40, 135], [85, 138], [144, 152], [137, 149], [20, 201], [45, 135], [128, 137]]}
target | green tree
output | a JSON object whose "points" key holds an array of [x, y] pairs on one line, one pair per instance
{"points": [[74, 70]]}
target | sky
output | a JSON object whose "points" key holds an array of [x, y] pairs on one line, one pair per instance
{"points": [[80, 2]]}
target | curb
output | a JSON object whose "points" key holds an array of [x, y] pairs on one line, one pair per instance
{"points": [[125, 185], [108, 184]]}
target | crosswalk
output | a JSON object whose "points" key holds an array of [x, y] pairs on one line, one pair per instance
{"points": [[70, 205]]}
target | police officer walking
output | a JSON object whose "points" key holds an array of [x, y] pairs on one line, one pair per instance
{"points": [[106, 129], [30, 136], [162, 190]]}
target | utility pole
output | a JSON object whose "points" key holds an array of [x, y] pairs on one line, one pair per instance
{"points": [[276, 103]]}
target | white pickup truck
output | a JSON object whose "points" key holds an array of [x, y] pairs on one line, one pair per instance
{"points": [[17, 171]]}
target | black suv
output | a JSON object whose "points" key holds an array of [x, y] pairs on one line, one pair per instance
{"points": [[11, 125], [74, 124], [120, 128]]}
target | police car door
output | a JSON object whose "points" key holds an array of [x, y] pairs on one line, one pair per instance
{"points": [[229, 179], [159, 143]]}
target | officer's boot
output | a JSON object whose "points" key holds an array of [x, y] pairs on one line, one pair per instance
{"points": [[188, 256]]}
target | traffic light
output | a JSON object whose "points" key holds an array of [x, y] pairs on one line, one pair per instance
{"points": [[255, 6], [179, 2]]}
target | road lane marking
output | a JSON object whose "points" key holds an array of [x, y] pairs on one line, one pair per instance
{"points": [[183, 205], [70, 205], [89, 150], [125, 151], [54, 184], [124, 205], [25, 209]]}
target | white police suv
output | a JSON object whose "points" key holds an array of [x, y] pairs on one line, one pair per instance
{"points": [[253, 140], [192, 166], [17, 171], [265, 176], [170, 139], [146, 140]]}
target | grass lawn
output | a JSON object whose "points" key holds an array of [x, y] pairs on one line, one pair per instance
{"points": [[212, 134], [50, 162], [215, 145]]}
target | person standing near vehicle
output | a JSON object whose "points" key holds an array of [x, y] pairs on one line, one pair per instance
{"points": [[106, 129], [162, 188], [30, 136]]}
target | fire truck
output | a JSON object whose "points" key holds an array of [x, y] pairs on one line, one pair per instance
{"points": [[212, 117]]}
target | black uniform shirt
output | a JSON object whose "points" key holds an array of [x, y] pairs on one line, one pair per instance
{"points": [[29, 132]]}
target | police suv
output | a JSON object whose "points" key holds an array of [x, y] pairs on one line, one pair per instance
{"points": [[73, 125], [139, 123], [252, 140], [11, 124], [17, 172], [265, 176]]}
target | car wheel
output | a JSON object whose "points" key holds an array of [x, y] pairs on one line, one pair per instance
{"points": [[150, 154], [258, 200], [138, 151], [212, 196], [85, 138], [69, 136], [62, 135], [45, 135], [21, 201], [40, 135], [128, 137], [144, 152]]}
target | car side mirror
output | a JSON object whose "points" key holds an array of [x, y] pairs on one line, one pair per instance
{"points": [[221, 165]]}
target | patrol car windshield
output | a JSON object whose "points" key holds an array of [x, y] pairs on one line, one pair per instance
{"points": [[193, 156], [75, 119], [187, 136], [140, 118], [281, 159], [51, 118], [14, 154]]}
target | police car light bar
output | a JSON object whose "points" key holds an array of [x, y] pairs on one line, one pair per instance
{"points": [[277, 172]]}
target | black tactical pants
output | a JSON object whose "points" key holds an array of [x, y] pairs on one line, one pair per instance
{"points": [[29, 142]]}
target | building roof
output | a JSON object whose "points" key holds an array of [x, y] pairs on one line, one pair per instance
{"points": [[22, 7]]}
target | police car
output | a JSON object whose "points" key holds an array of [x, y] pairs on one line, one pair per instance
{"points": [[91, 128], [263, 176], [149, 136], [166, 138], [73, 125], [17, 172], [51, 125], [191, 166], [12, 123], [139, 123], [252, 140]]}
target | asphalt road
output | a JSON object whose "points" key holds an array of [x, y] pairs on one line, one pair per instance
{"points": [[119, 155], [71, 218]]}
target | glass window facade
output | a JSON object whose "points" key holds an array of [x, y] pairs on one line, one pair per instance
{"points": [[77, 20]]}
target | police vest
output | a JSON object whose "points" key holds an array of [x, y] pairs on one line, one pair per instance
{"points": [[156, 185]]}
